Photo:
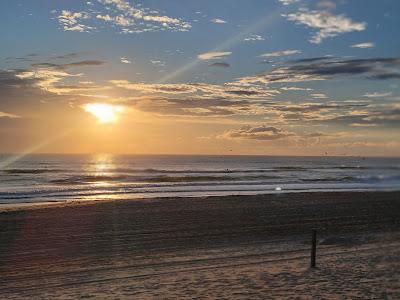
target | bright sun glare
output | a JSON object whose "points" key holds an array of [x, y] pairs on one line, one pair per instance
{"points": [[105, 113]]}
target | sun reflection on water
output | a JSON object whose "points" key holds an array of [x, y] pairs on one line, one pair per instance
{"points": [[101, 168]]}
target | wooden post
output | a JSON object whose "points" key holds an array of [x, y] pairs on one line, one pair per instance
{"points": [[313, 248]]}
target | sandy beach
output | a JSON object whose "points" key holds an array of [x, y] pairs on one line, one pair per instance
{"points": [[235, 247]]}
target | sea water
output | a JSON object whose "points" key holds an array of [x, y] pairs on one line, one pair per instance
{"points": [[45, 178]]}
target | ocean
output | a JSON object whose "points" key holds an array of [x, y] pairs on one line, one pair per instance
{"points": [[50, 178]]}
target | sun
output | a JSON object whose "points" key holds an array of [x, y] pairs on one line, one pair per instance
{"points": [[105, 113]]}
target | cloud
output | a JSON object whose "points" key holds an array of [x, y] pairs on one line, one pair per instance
{"points": [[281, 53], [49, 76], [68, 55], [158, 63], [193, 106], [295, 88], [81, 63], [45, 78], [378, 94], [385, 116], [139, 19], [254, 37], [9, 79], [327, 24], [218, 21], [204, 90], [146, 88], [26, 58], [128, 18], [7, 115], [288, 2], [313, 59], [261, 132], [18, 92], [220, 65], [120, 21], [125, 60], [363, 45], [319, 96], [70, 21], [283, 137], [213, 55], [231, 100], [300, 71]]}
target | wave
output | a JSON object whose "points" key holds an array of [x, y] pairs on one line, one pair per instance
{"points": [[82, 189], [360, 179], [205, 171], [291, 168], [87, 179], [191, 177], [187, 171], [272, 169], [207, 178], [32, 171], [378, 178], [353, 168], [332, 179], [265, 170]]}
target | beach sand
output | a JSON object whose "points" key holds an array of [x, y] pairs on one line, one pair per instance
{"points": [[236, 247]]}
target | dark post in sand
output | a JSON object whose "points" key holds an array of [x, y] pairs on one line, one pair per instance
{"points": [[313, 248]]}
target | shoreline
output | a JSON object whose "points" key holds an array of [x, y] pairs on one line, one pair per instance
{"points": [[25, 206]]}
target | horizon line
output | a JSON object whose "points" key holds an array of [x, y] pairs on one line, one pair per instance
{"points": [[194, 154]]}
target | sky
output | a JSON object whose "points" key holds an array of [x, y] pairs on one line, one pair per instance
{"points": [[265, 77]]}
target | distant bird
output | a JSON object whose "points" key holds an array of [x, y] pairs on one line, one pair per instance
{"points": [[278, 188]]}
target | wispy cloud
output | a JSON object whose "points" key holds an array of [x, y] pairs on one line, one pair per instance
{"points": [[295, 88], [7, 115], [281, 53], [72, 55], [213, 55], [218, 21], [288, 2], [327, 24], [220, 65], [253, 38], [125, 60], [65, 66], [363, 45], [319, 96], [158, 63]]}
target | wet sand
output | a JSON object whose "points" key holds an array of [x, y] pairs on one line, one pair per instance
{"points": [[236, 247]]}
